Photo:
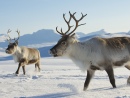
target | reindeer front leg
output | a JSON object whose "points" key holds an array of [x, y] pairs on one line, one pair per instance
{"points": [[22, 63], [110, 73], [17, 72], [90, 74]]}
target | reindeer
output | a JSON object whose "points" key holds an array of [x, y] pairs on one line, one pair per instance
{"points": [[94, 54], [22, 55]]}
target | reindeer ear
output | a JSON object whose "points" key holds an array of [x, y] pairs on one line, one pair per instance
{"points": [[16, 42]]}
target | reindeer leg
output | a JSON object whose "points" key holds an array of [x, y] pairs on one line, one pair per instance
{"points": [[22, 63], [23, 69], [128, 67], [128, 80], [90, 74], [110, 73], [37, 65], [17, 72]]}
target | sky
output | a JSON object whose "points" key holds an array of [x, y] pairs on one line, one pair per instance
{"points": [[32, 15]]}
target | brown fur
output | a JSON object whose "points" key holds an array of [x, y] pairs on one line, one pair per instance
{"points": [[94, 67], [120, 63], [115, 42], [32, 61]]}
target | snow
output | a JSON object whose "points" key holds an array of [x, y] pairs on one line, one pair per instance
{"points": [[3, 54], [59, 78]]}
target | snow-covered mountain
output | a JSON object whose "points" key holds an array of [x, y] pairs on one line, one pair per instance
{"points": [[45, 39], [2, 37], [39, 37], [80, 34], [93, 34], [103, 33]]}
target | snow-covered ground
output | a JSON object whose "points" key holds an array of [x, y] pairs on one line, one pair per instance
{"points": [[3, 54], [59, 78]]}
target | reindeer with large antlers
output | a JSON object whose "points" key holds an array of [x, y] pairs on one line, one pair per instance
{"points": [[23, 55], [94, 54]]}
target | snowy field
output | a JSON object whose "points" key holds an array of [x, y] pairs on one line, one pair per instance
{"points": [[59, 78]]}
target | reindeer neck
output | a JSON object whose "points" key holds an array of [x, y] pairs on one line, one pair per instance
{"points": [[79, 50], [18, 51]]}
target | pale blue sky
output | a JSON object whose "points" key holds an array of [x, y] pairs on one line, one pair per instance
{"points": [[32, 15]]}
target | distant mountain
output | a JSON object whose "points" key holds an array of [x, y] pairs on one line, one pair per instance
{"points": [[93, 34], [39, 37], [2, 37], [100, 32], [103, 33], [80, 34]]}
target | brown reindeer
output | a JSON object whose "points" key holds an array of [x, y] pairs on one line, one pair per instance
{"points": [[94, 54], [23, 55]]}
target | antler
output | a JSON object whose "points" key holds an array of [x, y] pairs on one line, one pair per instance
{"points": [[59, 31], [68, 23], [77, 21], [18, 35], [14, 38], [8, 35]]}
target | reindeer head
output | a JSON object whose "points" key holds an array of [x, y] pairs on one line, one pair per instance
{"points": [[12, 47], [67, 37]]}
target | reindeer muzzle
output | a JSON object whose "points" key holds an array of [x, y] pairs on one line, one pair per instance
{"points": [[7, 51], [53, 52]]}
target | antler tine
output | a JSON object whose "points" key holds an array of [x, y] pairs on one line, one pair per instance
{"points": [[82, 16], [59, 31], [77, 21], [68, 22], [62, 32], [18, 35], [8, 35]]}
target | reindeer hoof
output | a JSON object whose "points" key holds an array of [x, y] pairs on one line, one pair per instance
{"points": [[16, 74], [128, 81], [85, 88]]}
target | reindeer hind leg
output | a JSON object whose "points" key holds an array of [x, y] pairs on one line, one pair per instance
{"points": [[23, 69], [128, 80], [37, 65]]}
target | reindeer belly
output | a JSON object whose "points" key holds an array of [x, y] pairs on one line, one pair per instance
{"points": [[121, 59], [32, 59]]}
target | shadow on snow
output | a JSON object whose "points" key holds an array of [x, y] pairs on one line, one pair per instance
{"points": [[54, 95]]}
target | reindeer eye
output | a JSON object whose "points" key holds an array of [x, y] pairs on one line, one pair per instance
{"points": [[63, 43]]}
